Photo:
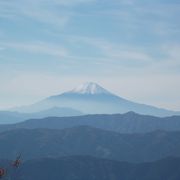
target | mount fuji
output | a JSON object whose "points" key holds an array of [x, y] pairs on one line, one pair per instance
{"points": [[90, 98]]}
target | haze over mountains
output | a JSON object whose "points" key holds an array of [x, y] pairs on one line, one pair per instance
{"points": [[9, 117], [80, 134], [123, 123], [51, 129], [90, 98]]}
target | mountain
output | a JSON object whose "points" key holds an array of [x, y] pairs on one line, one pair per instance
{"points": [[56, 112], [90, 98], [85, 140], [124, 123], [91, 168], [9, 117]]}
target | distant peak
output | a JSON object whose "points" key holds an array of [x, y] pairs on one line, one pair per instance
{"points": [[89, 88]]}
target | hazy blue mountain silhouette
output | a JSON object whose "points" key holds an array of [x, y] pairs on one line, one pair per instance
{"points": [[90, 98], [91, 168], [124, 123], [7, 117], [85, 140]]}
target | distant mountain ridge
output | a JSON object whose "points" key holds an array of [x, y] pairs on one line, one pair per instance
{"points": [[90, 98], [10, 117], [123, 123]]}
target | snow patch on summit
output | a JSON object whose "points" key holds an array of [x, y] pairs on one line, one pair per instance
{"points": [[89, 88]]}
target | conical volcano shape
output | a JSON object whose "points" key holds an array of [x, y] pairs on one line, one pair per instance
{"points": [[91, 98]]}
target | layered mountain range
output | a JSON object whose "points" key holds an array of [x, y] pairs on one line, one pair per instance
{"points": [[90, 133], [10, 117], [88, 98], [123, 123]]}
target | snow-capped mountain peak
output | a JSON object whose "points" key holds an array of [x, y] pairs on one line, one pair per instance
{"points": [[89, 88]]}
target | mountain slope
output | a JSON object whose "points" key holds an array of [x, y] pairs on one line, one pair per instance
{"points": [[8, 117], [89, 88], [90, 168], [85, 140], [90, 98], [124, 123]]}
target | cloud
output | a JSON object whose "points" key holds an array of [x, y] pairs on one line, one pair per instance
{"points": [[124, 59], [116, 53], [172, 56], [54, 12], [2, 48], [173, 51], [71, 2], [153, 18], [38, 48], [36, 11], [131, 43]]}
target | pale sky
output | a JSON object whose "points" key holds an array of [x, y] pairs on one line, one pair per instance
{"points": [[130, 47]]}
